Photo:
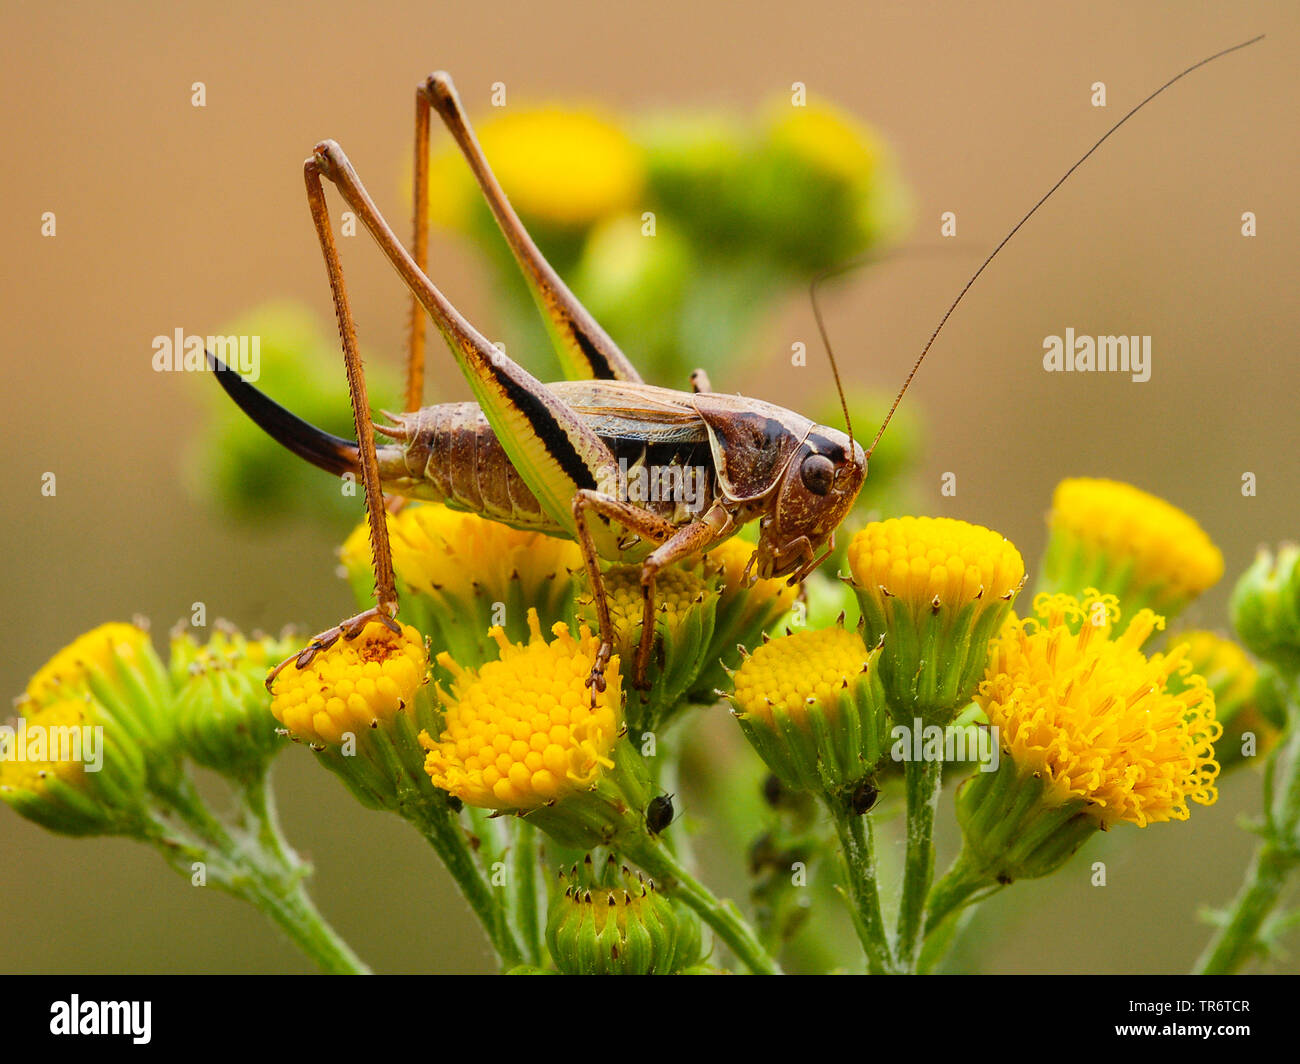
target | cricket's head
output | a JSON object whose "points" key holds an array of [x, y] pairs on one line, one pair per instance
{"points": [[814, 496]]}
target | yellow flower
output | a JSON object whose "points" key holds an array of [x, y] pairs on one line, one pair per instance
{"points": [[798, 670], [99, 649], [55, 718], [462, 574], [69, 766], [1235, 681], [933, 591], [812, 705], [747, 608], [563, 165], [686, 603], [115, 665], [526, 730], [1115, 537], [923, 559], [677, 589], [354, 686], [1094, 717], [827, 138]]}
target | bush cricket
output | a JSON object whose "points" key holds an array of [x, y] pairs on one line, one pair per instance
{"points": [[554, 457]]}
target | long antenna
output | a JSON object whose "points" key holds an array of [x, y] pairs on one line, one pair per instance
{"points": [[875, 255], [1006, 239]]}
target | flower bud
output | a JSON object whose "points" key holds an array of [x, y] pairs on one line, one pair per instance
{"points": [[68, 766], [115, 663], [614, 922], [1265, 608], [223, 710]]}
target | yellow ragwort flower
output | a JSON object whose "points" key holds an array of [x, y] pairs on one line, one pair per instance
{"points": [[677, 591], [924, 559], [1124, 541], [354, 685], [812, 705], [1235, 680], [827, 137], [686, 604], [522, 732], [1093, 717], [746, 609], [933, 592], [563, 165], [732, 556], [56, 718], [798, 670], [436, 548], [100, 648], [460, 574], [1227, 669]]}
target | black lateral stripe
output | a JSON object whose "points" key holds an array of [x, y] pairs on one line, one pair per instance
{"points": [[553, 437], [601, 370]]}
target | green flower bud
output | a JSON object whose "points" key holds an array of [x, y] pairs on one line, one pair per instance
{"points": [[1265, 608], [614, 922], [223, 710]]}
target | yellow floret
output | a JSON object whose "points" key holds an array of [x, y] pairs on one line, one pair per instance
{"points": [[795, 670], [935, 560], [526, 730], [354, 684]]}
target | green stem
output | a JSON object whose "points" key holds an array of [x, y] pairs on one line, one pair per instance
{"points": [[937, 945], [858, 843], [443, 833], [956, 889], [722, 916], [525, 890], [290, 906], [1238, 940], [923, 781], [1276, 857], [266, 879]]}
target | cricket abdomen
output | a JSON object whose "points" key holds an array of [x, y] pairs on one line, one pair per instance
{"points": [[449, 454]]}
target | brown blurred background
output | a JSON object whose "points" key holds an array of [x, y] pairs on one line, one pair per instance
{"points": [[171, 216]]}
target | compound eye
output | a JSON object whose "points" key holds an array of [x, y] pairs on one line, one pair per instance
{"points": [[818, 473]]}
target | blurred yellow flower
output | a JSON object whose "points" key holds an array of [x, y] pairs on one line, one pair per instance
{"points": [[1120, 539], [564, 165]]}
